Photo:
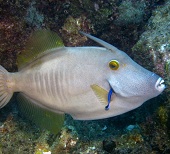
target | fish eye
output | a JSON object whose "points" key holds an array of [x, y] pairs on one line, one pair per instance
{"points": [[114, 64]]}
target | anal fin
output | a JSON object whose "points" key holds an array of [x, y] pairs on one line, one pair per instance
{"points": [[42, 117]]}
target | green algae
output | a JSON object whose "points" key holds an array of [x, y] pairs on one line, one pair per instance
{"points": [[41, 143], [163, 115], [14, 139]]}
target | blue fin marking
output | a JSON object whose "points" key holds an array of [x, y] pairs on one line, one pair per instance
{"points": [[109, 98]]}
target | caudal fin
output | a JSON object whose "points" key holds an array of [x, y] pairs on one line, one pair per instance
{"points": [[5, 92]]}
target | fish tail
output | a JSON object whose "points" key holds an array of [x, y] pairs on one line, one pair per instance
{"points": [[5, 88]]}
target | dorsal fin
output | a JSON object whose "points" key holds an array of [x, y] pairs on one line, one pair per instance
{"points": [[101, 42], [39, 42]]}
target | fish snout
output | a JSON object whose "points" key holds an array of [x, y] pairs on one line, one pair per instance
{"points": [[160, 85]]}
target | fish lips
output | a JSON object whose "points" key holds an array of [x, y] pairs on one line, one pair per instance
{"points": [[160, 85]]}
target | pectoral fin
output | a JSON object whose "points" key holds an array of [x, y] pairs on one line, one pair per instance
{"points": [[42, 117], [101, 93]]}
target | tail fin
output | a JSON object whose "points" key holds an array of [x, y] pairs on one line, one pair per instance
{"points": [[5, 92]]}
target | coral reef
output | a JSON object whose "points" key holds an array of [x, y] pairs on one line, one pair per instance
{"points": [[163, 115], [33, 17], [70, 30], [14, 138], [12, 39], [130, 13], [146, 129], [154, 42]]}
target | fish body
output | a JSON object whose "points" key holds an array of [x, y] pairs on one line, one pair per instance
{"points": [[76, 81], [62, 82]]}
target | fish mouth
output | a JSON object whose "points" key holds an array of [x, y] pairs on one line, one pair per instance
{"points": [[160, 84]]}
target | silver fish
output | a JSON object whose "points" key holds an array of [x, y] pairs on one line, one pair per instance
{"points": [[77, 80]]}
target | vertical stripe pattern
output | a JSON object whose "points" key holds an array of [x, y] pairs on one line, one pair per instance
{"points": [[52, 84]]}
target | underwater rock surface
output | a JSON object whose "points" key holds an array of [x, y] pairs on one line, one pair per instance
{"points": [[104, 18], [154, 43], [153, 50]]}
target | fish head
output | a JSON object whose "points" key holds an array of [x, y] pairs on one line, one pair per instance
{"points": [[130, 80], [119, 83]]}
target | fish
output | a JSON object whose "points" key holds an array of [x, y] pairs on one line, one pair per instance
{"points": [[88, 82]]}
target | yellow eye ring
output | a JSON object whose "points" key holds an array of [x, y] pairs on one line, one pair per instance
{"points": [[114, 64]]}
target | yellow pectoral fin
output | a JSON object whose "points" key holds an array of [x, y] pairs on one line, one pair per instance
{"points": [[100, 93]]}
